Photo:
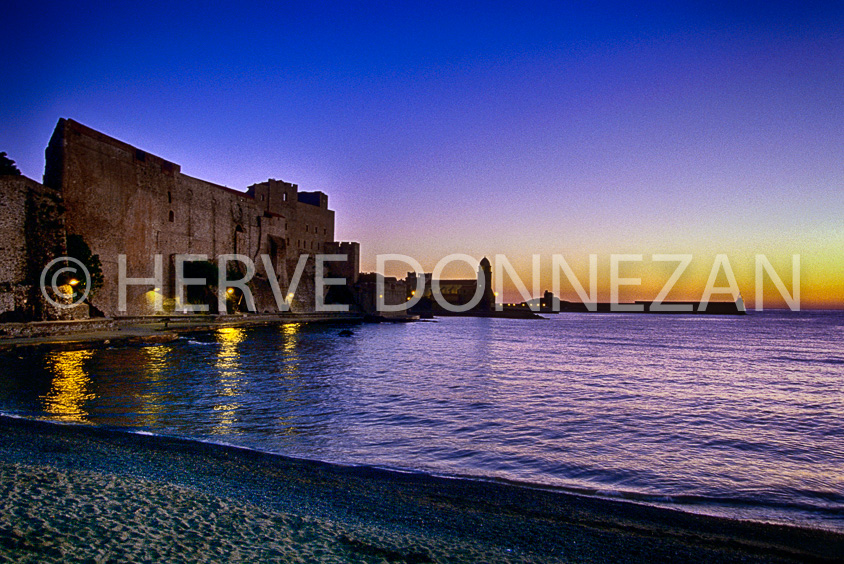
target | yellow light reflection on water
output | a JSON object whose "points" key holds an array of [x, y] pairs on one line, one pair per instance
{"points": [[71, 386], [157, 357], [153, 400], [291, 336], [290, 346], [228, 358], [290, 371], [230, 371]]}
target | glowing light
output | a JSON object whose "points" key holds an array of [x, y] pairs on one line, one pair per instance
{"points": [[73, 282], [230, 291]]}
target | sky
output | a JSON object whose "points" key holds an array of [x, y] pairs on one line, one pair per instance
{"points": [[478, 128]]}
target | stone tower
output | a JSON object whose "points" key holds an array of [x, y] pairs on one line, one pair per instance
{"points": [[487, 303]]}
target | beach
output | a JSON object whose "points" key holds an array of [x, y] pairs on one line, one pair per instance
{"points": [[87, 493]]}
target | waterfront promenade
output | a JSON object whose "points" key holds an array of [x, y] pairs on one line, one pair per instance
{"points": [[142, 329]]}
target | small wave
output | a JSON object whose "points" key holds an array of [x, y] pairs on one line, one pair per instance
{"points": [[833, 361]]}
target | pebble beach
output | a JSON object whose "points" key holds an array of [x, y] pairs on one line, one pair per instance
{"points": [[80, 493]]}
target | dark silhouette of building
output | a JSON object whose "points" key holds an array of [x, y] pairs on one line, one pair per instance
{"points": [[456, 292]]}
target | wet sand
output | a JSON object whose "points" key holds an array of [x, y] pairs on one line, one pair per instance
{"points": [[83, 493]]}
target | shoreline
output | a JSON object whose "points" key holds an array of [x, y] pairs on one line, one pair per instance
{"points": [[100, 332], [140, 330], [349, 513]]}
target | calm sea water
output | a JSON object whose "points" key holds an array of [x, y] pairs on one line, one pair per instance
{"points": [[737, 416]]}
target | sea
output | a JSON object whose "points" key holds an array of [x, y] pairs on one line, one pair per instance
{"points": [[736, 416]]}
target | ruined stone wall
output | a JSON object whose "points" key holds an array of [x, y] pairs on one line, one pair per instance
{"points": [[123, 200], [31, 235], [13, 196]]}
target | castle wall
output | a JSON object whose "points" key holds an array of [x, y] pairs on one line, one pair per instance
{"points": [[314, 227], [125, 201], [348, 269], [31, 235], [310, 224], [13, 195]]}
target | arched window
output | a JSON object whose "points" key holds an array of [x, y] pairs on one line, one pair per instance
{"points": [[172, 216]]}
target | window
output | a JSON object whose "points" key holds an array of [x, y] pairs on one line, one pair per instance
{"points": [[169, 197], [262, 197], [172, 216], [140, 155], [324, 231], [284, 197]]}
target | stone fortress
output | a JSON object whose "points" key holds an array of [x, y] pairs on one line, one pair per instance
{"points": [[123, 200]]}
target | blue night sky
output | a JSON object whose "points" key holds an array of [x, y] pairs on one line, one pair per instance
{"points": [[481, 129]]}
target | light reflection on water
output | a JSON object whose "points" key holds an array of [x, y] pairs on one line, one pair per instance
{"points": [[747, 412], [71, 387], [229, 375]]}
